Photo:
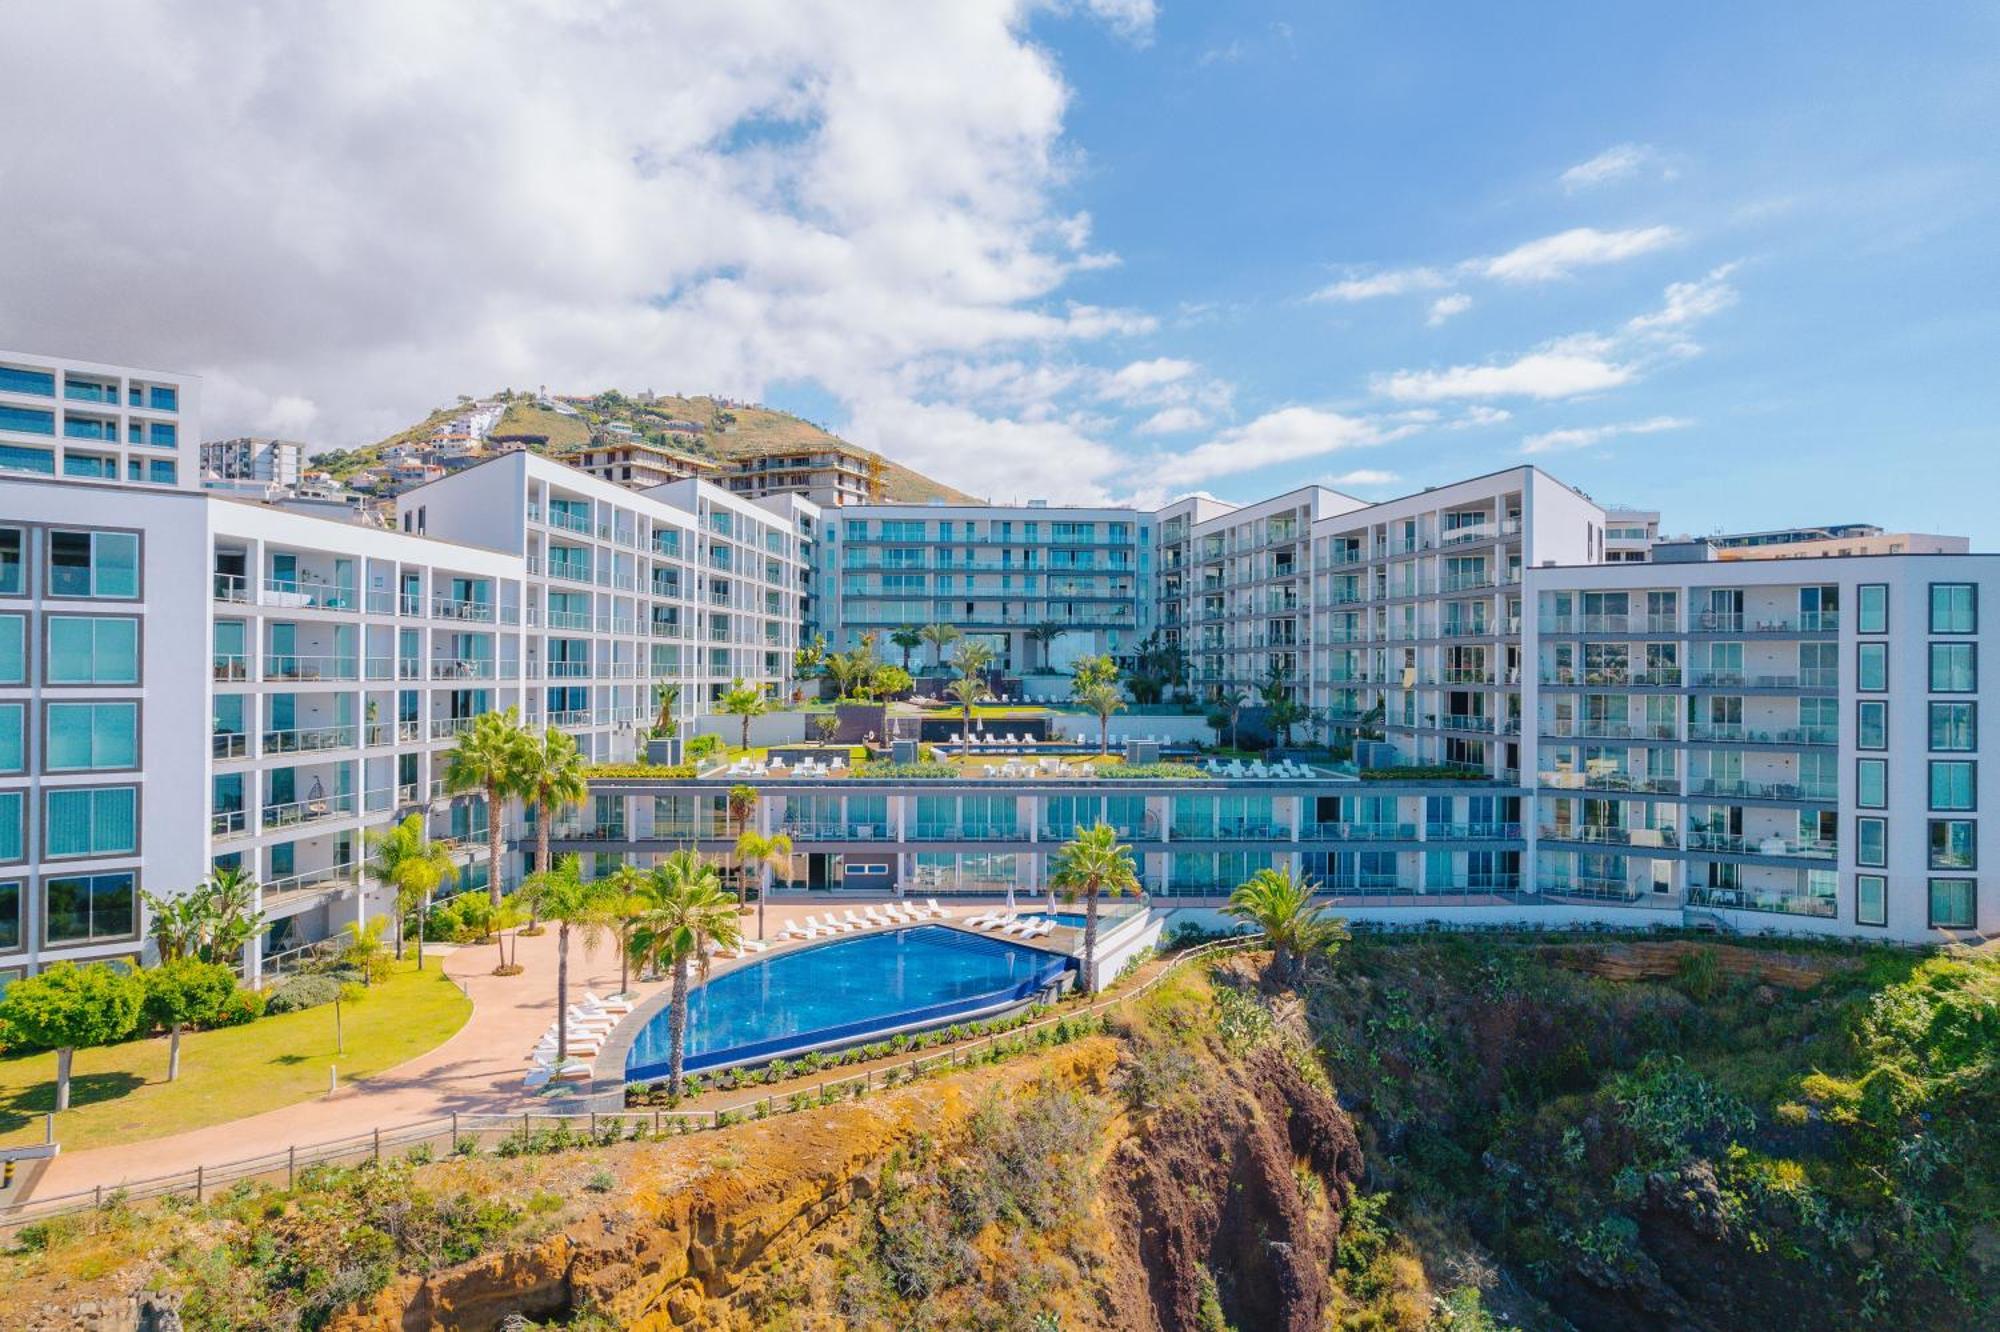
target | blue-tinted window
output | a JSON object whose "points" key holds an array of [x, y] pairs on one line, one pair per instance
{"points": [[94, 564], [162, 472], [92, 821], [13, 649], [10, 918], [13, 822], [42, 382], [84, 736], [1871, 841], [27, 420], [163, 399], [16, 459], [1871, 899], [1954, 668], [162, 433], [13, 567], [1954, 608], [83, 427], [1871, 783], [89, 650], [82, 907], [1954, 784], [13, 737], [85, 464], [1954, 904]]}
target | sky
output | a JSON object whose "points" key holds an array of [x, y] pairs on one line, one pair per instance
{"points": [[1738, 264]]}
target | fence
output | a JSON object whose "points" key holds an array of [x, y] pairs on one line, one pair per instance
{"points": [[453, 1130]]}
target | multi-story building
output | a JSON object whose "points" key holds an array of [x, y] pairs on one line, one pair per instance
{"points": [[1849, 539], [829, 477], [1044, 586], [85, 421], [1630, 534], [257, 458], [639, 464]]}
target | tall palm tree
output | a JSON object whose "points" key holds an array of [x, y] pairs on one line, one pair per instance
{"points": [[1296, 927], [551, 779], [940, 637], [626, 898], [414, 867], [690, 912], [1046, 635], [773, 853], [971, 659], [909, 640], [667, 697], [745, 701], [1093, 864], [1233, 703], [490, 758], [578, 905], [742, 805]]}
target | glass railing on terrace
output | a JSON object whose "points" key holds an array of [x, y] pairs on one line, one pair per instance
{"points": [[1561, 779], [310, 666], [1610, 624], [1739, 733], [307, 595], [1760, 622], [1748, 790], [1342, 831], [1606, 835], [231, 666], [446, 608], [932, 831], [1566, 728], [1817, 678], [311, 810], [234, 588], [391, 733], [462, 668], [1472, 832], [1780, 901], [1590, 887], [229, 745], [1751, 844], [307, 738]]}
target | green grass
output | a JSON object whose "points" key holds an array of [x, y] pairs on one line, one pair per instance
{"points": [[119, 1093]]}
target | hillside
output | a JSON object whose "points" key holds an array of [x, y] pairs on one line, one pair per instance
{"points": [[701, 427]]}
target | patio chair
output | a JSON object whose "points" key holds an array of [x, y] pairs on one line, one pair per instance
{"points": [[859, 923], [935, 909]]}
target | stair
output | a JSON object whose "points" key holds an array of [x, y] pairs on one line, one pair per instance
{"points": [[1701, 918]]}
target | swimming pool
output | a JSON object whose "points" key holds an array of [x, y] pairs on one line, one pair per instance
{"points": [[846, 991]]}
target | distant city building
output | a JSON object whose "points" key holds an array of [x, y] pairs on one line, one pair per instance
{"points": [[253, 458], [829, 477], [639, 464], [1629, 535], [1855, 540], [87, 421]]}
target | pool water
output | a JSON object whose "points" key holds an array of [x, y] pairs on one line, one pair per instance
{"points": [[845, 991]]}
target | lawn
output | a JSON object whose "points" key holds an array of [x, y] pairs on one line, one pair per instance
{"points": [[119, 1093]]}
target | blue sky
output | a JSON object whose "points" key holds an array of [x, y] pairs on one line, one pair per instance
{"points": [[1735, 262]]}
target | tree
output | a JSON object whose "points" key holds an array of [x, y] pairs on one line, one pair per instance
{"points": [[490, 758], [363, 950], [213, 922], [1093, 864], [1218, 721], [1095, 688], [1157, 666], [745, 701], [773, 852], [186, 992], [666, 700], [1046, 634], [1232, 702], [940, 637], [1295, 926], [742, 804], [826, 726], [562, 894], [809, 659], [890, 682], [65, 1007], [690, 913], [625, 898], [970, 659], [414, 867], [909, 640], [509, 915], [551, 779], [1281, 705]]}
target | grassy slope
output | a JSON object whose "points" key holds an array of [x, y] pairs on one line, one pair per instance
{"points": [[120, 1093]]}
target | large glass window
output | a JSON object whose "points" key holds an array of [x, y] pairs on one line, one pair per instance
{"points": [[1954, 727], [1871, 783], [1871, 842], [94, 564], [41, 383], [13, 825], [13, 737], [1872, 608], [92, 821], [1954, 904], [85, 907], [1954, 608], [27, 420], [1954, 668], [1871, 899], [13, 572], [1871, 724], [92, 735], [93, 650], [1954, 844], [1871, 666], [11, 896], [1953, 784], [13, 649]]}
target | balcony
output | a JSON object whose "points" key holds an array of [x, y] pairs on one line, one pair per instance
{"points": [[307, 594], [1587, 729], [1744, 790], [1589, 887], [1737, 622], [1560, 780], [1758, 899], [229, 745], [1738, 733], [1658, 839], [310, 667], [1741, 844], [231, 666], [476, 612], [462, 668], [315, 810], [1812, 679], [1358, 832], [928, 831], [308, 739], [836, 831], [1472, 832]]}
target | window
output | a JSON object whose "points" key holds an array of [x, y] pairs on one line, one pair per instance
{"points": [[83, 736], [91, 821], [1871, 783], [86, 907], [1953, 904], [1954, 668], [1872, 608], [10, 915], [94, 564], [1871, 666], [163, 399], [41, 383], [13, 825], [13, 575], [1954, 844], [1871, 724], [93, 650], [1954, 608], [1954, 727], [1871, 841], [1871, 899], [1953, 784], [27, 420], [13, 737], [161, 433]]}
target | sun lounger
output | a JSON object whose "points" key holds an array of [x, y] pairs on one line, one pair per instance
{"points": [[860, 922], [833, 924], [617, 1003], [1019, 926], [935, 909], [1043, 928], [755, 945]]}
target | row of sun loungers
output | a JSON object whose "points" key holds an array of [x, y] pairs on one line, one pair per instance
{"points": [[1237, 768], [590, 1024], [1013, 923], [891, 915]]}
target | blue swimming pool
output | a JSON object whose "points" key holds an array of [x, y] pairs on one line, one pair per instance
{"points": [[846, 991]]}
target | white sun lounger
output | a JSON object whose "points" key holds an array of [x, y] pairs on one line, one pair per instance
{"points": [[860, 922], [617, 1003], [935, 909]]}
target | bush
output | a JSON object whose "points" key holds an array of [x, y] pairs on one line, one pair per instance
{"points": [[301, 992], [701, 746], [241, 1007]]}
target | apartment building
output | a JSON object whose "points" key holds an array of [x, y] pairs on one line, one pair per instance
{"points": [[1043, 585], [1630, 534], [86, 421], [829, 477], [640, 465], [1817, 542], [255, 458]]}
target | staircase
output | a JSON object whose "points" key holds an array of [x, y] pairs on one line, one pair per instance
{"points": [[1701, 918]]}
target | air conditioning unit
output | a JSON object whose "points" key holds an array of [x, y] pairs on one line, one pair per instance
{"points": [[1142, 751]]}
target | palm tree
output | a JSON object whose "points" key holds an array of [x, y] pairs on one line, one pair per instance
{"points": [[1233, 703], [1046, 633], [667, 696], [690, 912], [940, 637], [1090, 864], [489, 758], [626, 898], [1096, 688], [564, 895], [550, 779], [971, 660], [507, 916], [909, 640], [414, 867], [742, 803], [1296, 927], [745, 701], [773, 853]]}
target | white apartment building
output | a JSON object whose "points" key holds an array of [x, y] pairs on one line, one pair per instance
{"points": [[85, 421], [257, 458]]}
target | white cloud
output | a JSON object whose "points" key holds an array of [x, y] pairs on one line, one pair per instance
{"points": [[1131, 19], [1172, 421], [1446, 307], [1545, 374], [1135, 381], [1479, 414], [1288, 434], [1583, 437], [1001, 458], [1361, 476], [1558, 256], [1614, 163], [1690, 302], [1394, 282]]}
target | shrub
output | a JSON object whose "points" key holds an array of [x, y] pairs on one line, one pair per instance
{"points": [[241, 1007], [296, 993]]}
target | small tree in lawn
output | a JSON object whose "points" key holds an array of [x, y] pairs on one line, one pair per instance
{"points": [[185, 993], [745, 701], [414, 867], [691, 911], [826, 726], [364, 951], [1096, 690], [562, 894], [1090, 865], [65, 1007], [509, 915], [1281, 704]]}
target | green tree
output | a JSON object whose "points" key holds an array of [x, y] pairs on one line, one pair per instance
{"points": [[666, 701], [1090, 865], [1046, 635], [971, 659], [625, 899], [551, 780], [909, 640], [809, 659], [940, 637], [212, 922], [1281, 705], [690, 912], [185, 993], [1297, 928], [1231, 704], [364, 951], [741, 804], [744, 701], [1095, 689], [578, 906], [414, 868], [890, 682], [65, 1007], [509, 915], [772, 852], [490, 758]]}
